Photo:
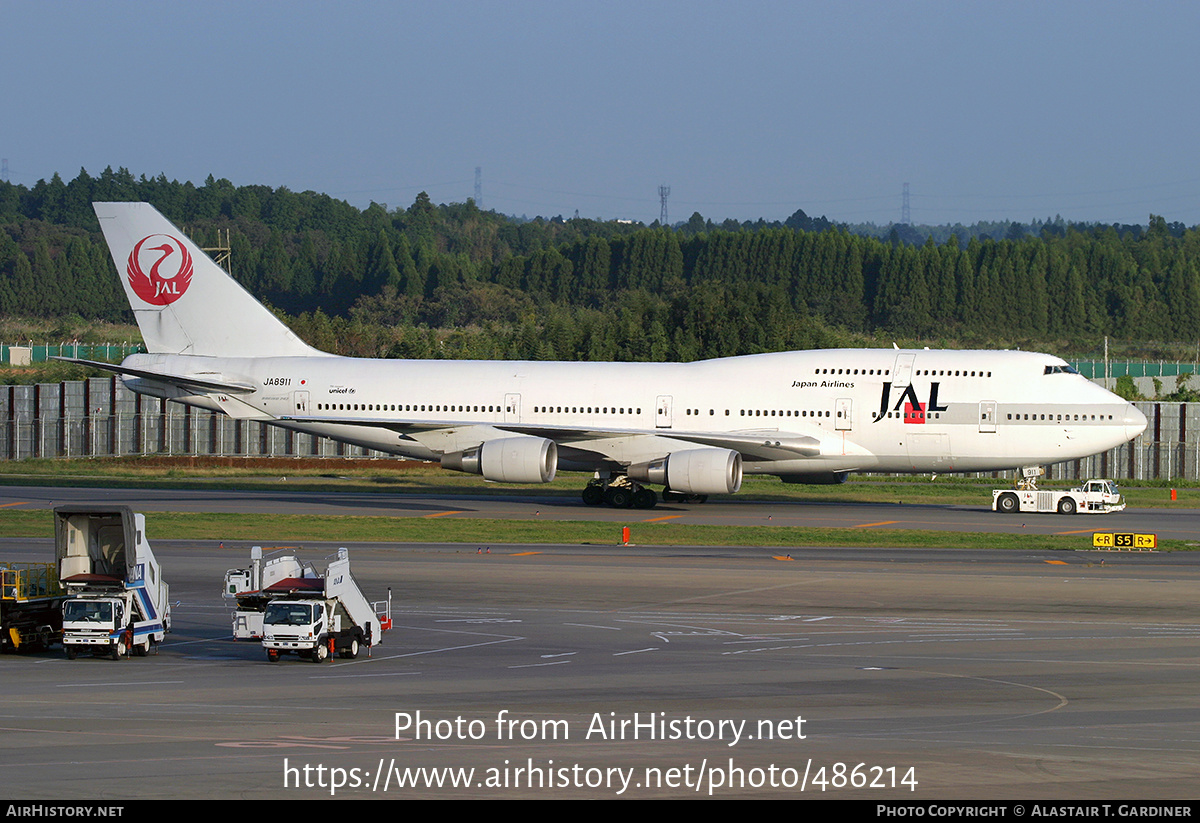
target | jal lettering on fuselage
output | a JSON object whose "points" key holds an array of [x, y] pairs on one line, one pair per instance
{"points": [[914, 410]]}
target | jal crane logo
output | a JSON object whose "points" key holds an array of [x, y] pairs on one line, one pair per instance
{"points": [[160, 269]]}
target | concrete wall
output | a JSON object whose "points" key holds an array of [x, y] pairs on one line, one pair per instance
{"points": [[99, 417]]}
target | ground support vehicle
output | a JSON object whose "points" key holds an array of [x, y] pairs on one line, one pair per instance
{"points": [[251, 588], [117, 599], [319, 617], [1093, 497], [30, 606]]}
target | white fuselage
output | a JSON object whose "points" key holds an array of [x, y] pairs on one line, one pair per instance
{"points": [[858, 409]]}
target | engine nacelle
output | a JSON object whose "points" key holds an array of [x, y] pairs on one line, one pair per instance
{"points": [[695, 471], [510, 460]]}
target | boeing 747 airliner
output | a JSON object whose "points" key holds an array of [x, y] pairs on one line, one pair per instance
{"points": [[691, 428]]}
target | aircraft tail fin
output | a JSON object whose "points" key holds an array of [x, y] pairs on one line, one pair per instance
{"points": [[183, 301]]}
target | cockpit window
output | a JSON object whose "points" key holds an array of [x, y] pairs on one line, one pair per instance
{"points": [[1064, 369]]}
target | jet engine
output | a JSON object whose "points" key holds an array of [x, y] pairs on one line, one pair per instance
{"points": [[695, 471], [510, 460]]}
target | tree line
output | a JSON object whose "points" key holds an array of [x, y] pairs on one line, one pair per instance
{"points": [[453, 280]]}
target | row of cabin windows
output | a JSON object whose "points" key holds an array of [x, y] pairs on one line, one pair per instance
{"points": [[909, 414], [402, 408], [919, 372], [760, 413], [557, 409], [1062, 418], [950, 373], [585, 410], [781, 413]]}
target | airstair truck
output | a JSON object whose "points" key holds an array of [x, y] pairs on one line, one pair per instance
{"points": [[117, 599], [316, 618], [252, 591]]}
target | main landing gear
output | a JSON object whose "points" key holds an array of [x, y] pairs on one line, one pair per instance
{"points": [[620, 492]]}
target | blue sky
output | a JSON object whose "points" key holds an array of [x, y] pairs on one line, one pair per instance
{"points": [[989, 111]]}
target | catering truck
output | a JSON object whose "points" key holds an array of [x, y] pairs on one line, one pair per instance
{"points": [[251, 589], [117, 600], [316, 617]]}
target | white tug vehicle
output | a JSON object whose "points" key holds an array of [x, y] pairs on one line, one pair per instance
{"points": [[1093, 497]]}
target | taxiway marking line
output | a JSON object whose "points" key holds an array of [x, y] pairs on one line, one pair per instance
{"points": [[880, 523], [442, 514]]}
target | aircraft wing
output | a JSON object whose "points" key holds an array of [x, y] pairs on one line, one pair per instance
{"points": [[193, 383], [756, 445], [753, 445]]}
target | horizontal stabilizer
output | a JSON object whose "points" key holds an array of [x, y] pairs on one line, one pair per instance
{"points": [[190, 382]]}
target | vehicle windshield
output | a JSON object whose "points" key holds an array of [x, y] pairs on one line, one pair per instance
{"points": [[83, 611], [288, 614]]}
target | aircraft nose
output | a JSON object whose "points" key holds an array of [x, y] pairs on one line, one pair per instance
{"points": [[1135, 422]]}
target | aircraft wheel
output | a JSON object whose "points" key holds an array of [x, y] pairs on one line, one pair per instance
{"points": [[593, 495], [618, 497], [1008, 503], [673, 497], [1066, 506], [645, 498]]}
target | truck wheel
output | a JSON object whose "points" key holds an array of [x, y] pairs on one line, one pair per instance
{"points": [[1066, 505], [351, 651], [320, 653], [118, 650], [71, 652], [1008, 504], [273, 655]]}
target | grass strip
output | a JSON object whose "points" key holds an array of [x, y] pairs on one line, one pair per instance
{"points": [[376, 478]]}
